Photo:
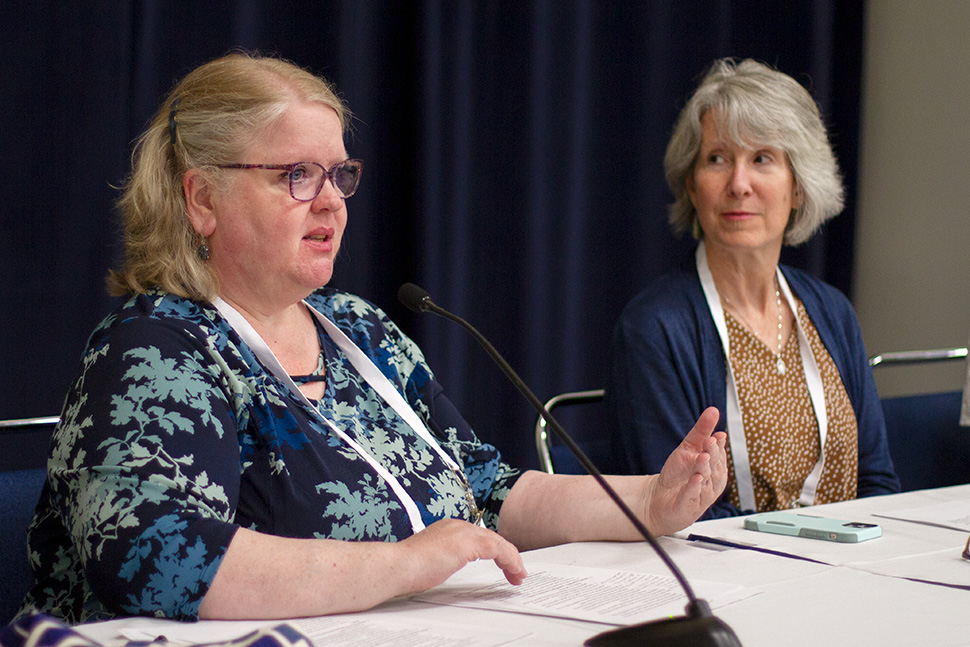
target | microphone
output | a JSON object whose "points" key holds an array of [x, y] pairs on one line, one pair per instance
{"points": [[699, 628]]}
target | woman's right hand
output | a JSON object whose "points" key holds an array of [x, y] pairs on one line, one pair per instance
{"points": [[265, 576], [443, 548]]}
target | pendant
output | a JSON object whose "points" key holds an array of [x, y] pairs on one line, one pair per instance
{"points": [[780, 366]]}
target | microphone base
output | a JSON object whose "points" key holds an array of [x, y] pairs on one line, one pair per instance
{"points": [[672, 632], [699, 628]]}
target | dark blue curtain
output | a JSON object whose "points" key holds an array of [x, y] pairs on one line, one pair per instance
{"points": [[513, 163]]}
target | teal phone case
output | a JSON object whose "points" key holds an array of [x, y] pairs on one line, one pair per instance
{"points": [[783, 522]]}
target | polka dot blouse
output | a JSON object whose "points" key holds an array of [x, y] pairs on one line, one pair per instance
{"points": [[780, 427]]}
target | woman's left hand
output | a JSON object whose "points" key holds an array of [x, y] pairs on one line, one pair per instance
{"points": [[692, 478]]}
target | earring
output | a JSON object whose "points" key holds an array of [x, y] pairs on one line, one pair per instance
{"points": [[203, 251], [173, 121], [696, 228]]}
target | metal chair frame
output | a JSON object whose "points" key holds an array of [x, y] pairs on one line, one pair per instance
{"points": [[542, 438], [19, 424], [918, 356], [939, 458]]}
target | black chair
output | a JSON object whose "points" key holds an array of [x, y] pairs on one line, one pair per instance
{"points": [[20, 488], [586, 425], [928, 446]]}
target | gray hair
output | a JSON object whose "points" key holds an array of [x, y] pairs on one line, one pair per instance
{"points": [[756, 105]]}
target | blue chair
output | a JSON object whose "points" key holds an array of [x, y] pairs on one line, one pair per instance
{"points": [[928, 446], [584, 424], [20, 490]]}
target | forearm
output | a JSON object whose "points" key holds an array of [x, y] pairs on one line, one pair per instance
{"points": [[876, 474], [263, 576], [547, 509], [550, 509]]}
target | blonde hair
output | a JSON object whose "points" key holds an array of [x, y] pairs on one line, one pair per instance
{"points": [[757, 105], [211, 117]]}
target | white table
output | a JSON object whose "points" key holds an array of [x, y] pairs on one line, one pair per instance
{"points": [[860, 595]]}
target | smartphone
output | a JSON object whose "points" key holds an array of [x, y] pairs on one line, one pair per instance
{"points": [[784, 522]]}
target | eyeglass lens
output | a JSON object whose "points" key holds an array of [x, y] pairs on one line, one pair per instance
{"points": [[307, 178]]}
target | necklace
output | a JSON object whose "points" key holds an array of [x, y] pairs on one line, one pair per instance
{"points": [[319, 374], [779, 362]]}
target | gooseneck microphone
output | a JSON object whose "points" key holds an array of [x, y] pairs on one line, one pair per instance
{"points": [[699, 628]]}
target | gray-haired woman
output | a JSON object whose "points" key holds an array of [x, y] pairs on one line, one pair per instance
{"points": [[779, 352]]}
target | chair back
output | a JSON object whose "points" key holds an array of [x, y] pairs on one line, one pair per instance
{"points": [[20, 489], [928, 446], [585, 424]]}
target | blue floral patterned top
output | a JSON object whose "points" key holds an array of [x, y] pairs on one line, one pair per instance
{"points": [[174, 434]]}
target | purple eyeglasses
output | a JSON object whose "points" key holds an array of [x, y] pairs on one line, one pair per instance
{"points": [[307, 178]]}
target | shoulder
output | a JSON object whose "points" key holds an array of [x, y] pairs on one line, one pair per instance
{"points": [[156, 336], [817, 295], [834, 319], [155, 317], [154, 350], [672, 297]]}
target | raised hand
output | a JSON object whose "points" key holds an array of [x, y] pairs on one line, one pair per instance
{"points": [[692, 478]]}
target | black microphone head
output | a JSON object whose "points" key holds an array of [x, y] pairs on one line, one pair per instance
{"points": [[414, 297]]}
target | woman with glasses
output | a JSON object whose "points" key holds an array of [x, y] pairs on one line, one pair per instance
{"points": [[776, 350], [241, 442]]}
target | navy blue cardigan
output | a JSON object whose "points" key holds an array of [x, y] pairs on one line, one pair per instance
{"points": [[667, 365]]}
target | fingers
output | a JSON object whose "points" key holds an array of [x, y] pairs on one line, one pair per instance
{"points": [[505, 556], [711, 466], [515, 573], [711, 460], [692, 478], [703, 429], [717, 454], [444, 547], [702, 465]]}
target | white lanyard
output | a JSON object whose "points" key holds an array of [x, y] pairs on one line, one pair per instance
{"points": [[735, 426], [373, 376]]}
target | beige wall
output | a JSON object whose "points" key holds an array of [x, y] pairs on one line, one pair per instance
{"points": [[912, 285]]}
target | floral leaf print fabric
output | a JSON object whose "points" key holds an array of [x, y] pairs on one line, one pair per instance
{"points": [[174, 435]]}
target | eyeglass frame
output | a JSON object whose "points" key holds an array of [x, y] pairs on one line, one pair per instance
{"points": [[328, 174]]}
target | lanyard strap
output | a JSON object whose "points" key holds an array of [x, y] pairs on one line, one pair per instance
{"points": [[735, 425], [372, 375], [379, 382]]}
